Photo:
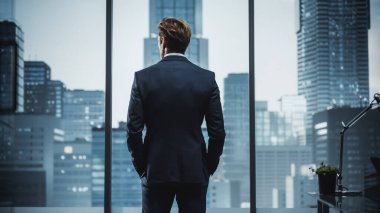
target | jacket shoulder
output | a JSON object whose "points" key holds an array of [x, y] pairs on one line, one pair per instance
{"points": [[204, 71], [189, 64], [147, 69]]}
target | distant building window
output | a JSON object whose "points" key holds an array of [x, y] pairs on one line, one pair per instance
{"points": [[68, 149]]}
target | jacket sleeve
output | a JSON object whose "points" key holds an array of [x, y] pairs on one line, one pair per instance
{"points": [[215, 128], [135, 125]]}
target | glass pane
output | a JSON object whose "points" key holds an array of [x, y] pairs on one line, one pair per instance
{"points": [[52, 111], [219, 43], [314, 69]]}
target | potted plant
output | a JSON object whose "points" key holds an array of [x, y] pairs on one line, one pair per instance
{"points": [[326, 178]]}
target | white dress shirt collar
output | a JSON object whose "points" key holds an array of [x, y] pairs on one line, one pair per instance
{"points": [[176, 54]]}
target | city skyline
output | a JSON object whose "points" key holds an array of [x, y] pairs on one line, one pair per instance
{"points": [[283, 125], [222, 56]]}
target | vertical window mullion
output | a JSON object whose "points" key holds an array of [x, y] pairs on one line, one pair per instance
{"points": [[108, 111], [251, 93]]}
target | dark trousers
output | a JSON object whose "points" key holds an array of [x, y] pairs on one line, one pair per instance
{"points": [[159, 197]]}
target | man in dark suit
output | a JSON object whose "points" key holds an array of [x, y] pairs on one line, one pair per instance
{"points": [[171, 99]]}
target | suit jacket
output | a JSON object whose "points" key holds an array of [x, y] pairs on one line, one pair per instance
{"points": [[171, 99]]}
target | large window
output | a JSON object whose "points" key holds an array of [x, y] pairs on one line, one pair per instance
{"points": [[58, 118], [313, 69], [52, 139], [314, 65], [135, 47]]}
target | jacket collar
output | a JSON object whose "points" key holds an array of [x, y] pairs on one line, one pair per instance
{"points": [[174, 58]]}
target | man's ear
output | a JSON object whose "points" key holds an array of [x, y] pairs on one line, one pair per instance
{"points": [[164, 42]]}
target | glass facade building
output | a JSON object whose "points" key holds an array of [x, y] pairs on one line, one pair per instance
{"points": [[126, 184], [282, 157], [42, 95], [234, 163], [72, 173], [30, 150], [36, 72], [276, 168], [293, 110], [279, 127], [191, 12], [82, 110], [30, 190], [333, 53], [11, 68], [332, 41]]}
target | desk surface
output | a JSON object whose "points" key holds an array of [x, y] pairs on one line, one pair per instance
{"points": [[348, 203]]}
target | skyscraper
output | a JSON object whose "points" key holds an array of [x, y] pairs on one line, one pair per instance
{"points": [[281, 154], [234, 161], [332, 41], [279, 127], [36, 72], [42, 95], [189, 10], [273, 165], [293, 108], [11, 68], [126, 184], [72, 174], [333, 53], [82, 110], [292, 103], [30, 153], [24, 188]]}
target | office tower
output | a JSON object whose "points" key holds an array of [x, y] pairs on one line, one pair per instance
{"points": [[56, 89], [279, 127], [266, 125], [292, 103], [273, 165], [11, 68], [361, 142], [281, 153], [23, 188], [82, 110], [332, 54], [293, 109], [72, 174], [126, 184], [297, 188], [31, 150], [189, 10], [36, 72], [234, 161], [42, 95], [263, 124]]}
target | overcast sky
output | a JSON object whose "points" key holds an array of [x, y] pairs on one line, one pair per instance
{"points": [[69, 35]]}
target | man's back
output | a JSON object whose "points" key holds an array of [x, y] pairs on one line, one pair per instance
{"points": [[171, 99], [175, 96]]}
